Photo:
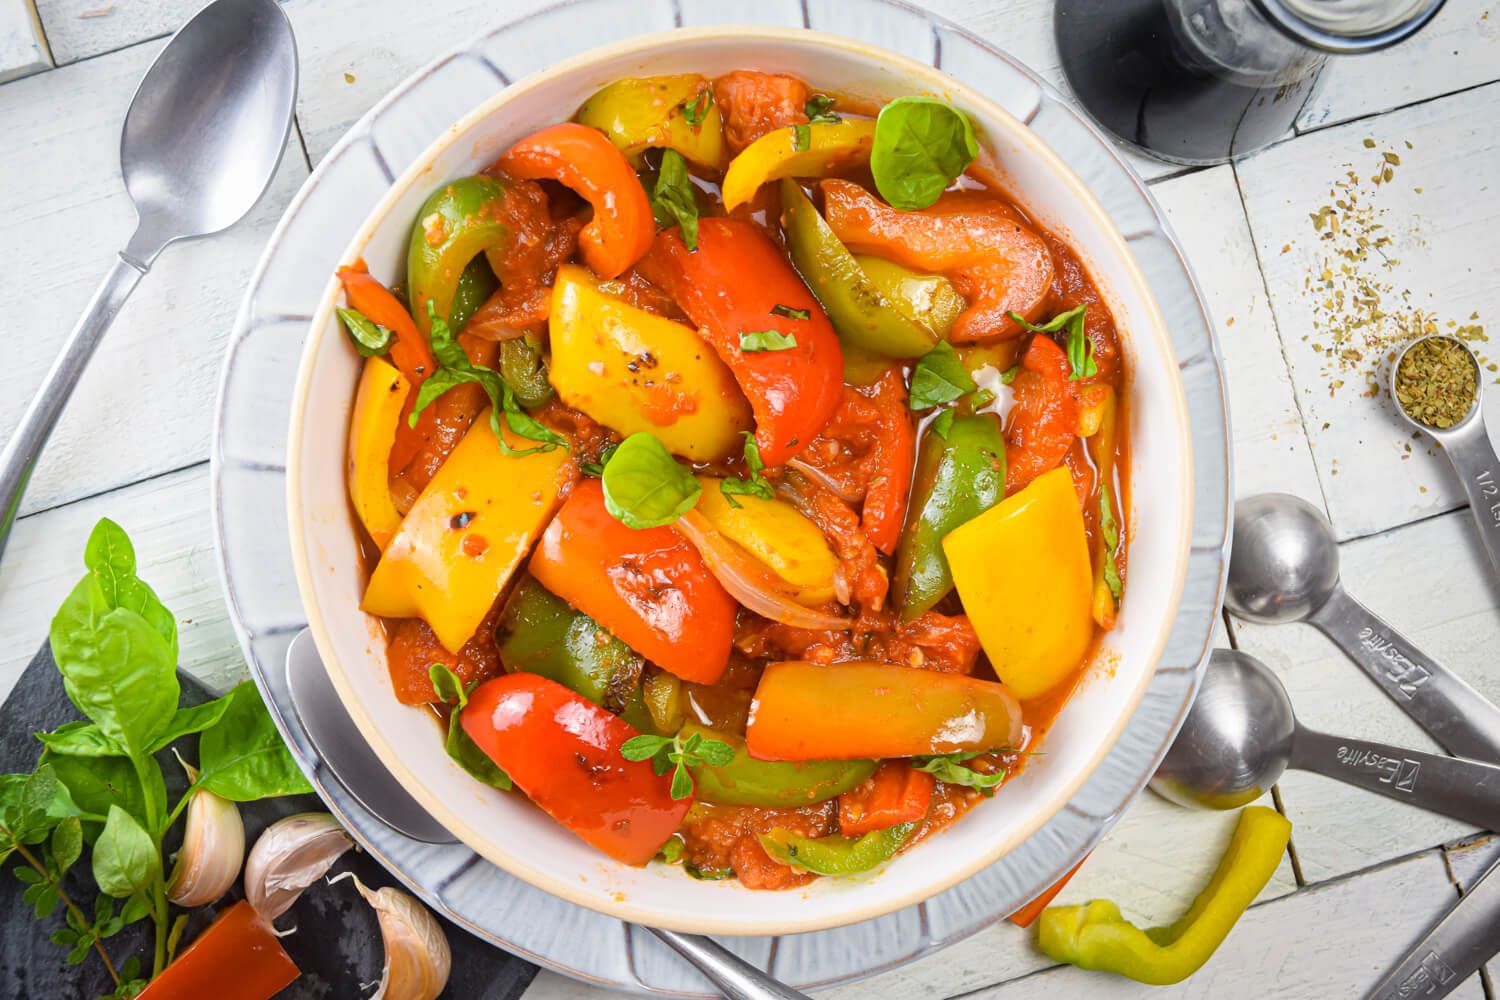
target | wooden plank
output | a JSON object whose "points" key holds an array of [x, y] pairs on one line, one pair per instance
{"points": [[1440, 272], [1431, 582], [1330, 941], [78, 29], [1468, 861], [145, 404], [168, 520], [1460, 48], [23, 49], [1270, 445]]}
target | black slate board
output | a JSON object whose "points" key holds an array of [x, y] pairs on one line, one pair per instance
{"points": [[337, 943]]}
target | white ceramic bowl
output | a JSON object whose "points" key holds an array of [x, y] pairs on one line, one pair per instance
{"points": [[509, 831]]}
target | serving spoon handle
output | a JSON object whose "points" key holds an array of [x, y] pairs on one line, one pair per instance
{"points": [[736, 978], [21, 451], [1464, 721], [1467, 790]]}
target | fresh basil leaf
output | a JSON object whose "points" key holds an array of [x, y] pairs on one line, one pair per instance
{"points": [[242, 758], [1109, 531], [80, 739], [93, 784], [671, 852], [459, 744], [950, 769], [819, 108], [191, 720], [672, 199], [801, 138], [694, 111], [939, 377], [790, 312], [370, 339], [943, 423], [921, 146], [644, 486], [116, 667], [758, 341], [126, 859], [109, 555], [1080, 346]]}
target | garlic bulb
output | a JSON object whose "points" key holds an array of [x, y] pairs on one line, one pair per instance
{"points": [[213, 848], [417, 959], [292, 854]]}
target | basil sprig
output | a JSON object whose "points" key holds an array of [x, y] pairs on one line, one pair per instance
{"points": [[950, 768], [757, 485], [939, 377], [673, 753], [460, 745], [369, 338], [1080, 345], [455, 368], [644, 486], [672, 198], [921, 145]]}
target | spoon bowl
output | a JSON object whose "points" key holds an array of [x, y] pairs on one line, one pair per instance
{"points": [[1285, 561]]}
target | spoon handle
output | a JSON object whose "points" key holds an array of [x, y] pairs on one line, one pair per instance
{"points": [[1478, 466], [21, 451], [1453, 950], [1464, 721], [1466, 790], [735, 977]]}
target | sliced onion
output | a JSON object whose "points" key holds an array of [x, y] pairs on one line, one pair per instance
{"points": [[822, 478], [750, 583]]}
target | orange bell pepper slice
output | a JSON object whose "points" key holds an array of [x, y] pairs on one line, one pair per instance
{"points": [[237, 958], [650, 587], [1026, 915], [895, 793], [583, 159]]}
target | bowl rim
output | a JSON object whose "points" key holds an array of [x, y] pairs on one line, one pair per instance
{"points": [[615, 904]]}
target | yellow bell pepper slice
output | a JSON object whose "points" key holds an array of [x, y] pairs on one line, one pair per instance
{"points": [[372, 430], [832, 147], [466, 534], [641, 112], [632, 370], [1022, 570], [777, 534]]}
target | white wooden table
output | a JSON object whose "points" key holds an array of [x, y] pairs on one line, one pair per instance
{"points": [[1364, 876]]}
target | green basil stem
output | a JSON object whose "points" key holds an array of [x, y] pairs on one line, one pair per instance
{"points": [[157, 904], [72, 907]]}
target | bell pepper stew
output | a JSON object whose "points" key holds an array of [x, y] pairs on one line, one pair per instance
{"points": [[746, 469]]}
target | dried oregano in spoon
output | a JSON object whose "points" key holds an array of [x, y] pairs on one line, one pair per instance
{"points": [[1436, 382]]}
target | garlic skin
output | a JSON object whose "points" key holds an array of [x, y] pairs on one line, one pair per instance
{"points": [[417, 958], [290, 855], [213, 848]]}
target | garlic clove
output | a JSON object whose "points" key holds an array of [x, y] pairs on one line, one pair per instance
{"points": [[417, 959], [213, 848], [290, 855]]}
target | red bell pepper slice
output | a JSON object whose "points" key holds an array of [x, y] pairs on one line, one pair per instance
{"points": [[649, 587], [729, 286], [1043, 423], [237, 958], [884, 510], [583, 159], [564, 753], [895, 793]]}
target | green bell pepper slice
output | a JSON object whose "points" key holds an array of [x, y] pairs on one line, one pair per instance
{"points": [[836, 855], [745, 781], [861, 315], [457, 222], [930, 300], [540, 633], [960, 474], [1095, 936], [637, 113], [475, 284], [524, 369]]}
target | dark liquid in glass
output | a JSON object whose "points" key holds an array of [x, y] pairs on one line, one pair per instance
{"points": [[1131, 70]]}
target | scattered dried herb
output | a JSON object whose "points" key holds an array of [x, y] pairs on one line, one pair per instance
{"points": [[1436, 382]]}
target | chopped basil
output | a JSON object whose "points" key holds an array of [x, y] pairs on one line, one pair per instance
{"points": [[939, 377], [672, 199], [943, 423], [801, 138], [757, 485], [455, 368], [369, 338], [819, 108], [694, 111], [1080, 345], [790, 313], [760, 341], [1009, 375], [460, 745], [1109, 531], [921, 145], [950, 769], [596, 469], [644, 486]]}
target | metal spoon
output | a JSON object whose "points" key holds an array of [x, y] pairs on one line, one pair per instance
{"points": [[355, 766], [1284, 567], [201, 142], [1467, 445], [1457, 946], [1240, 736]]}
